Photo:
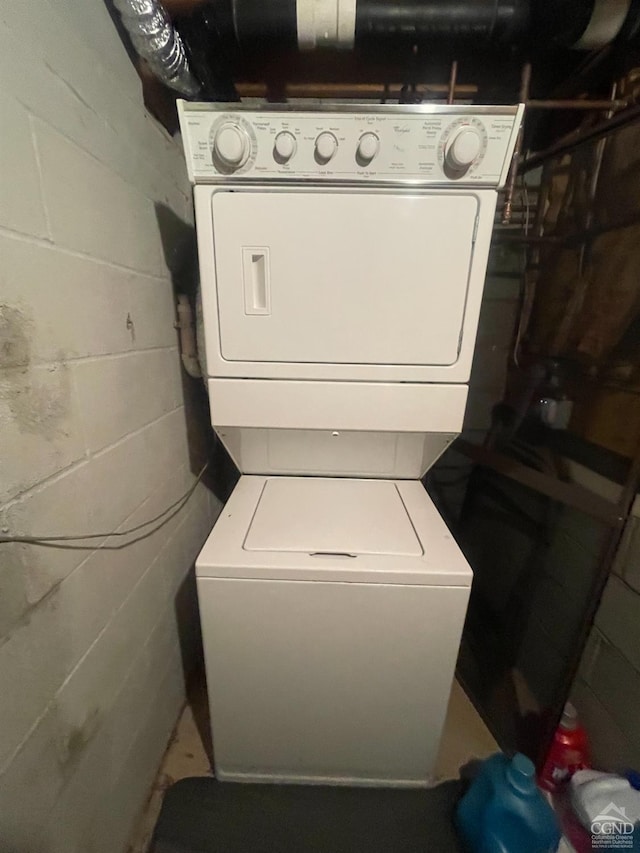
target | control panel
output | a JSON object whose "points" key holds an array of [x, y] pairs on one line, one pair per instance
{"points": [[428, 144]]}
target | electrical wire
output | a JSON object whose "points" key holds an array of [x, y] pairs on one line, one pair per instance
{"points": [[516, 346], [67, 542]]}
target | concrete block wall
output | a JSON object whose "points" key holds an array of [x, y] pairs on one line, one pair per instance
{"points": [[607, 688], [564, 579], [93, 434], [494, 341]]}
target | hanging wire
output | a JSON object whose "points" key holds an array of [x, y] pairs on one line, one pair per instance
{"points": [[67, 542]]}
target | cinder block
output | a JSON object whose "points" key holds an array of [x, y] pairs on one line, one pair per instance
{"points": [[30, 785], [92, 29], [39, 416], [560, 614], [188, 540], [92, 642], [129, 142], [68, 764], [61, 506], [503, 287], [540, 662], [79, 75], [120, 480], [84, 703], [505, 258], [61, 42], [574, 553], [167, 444], [13, 601], [122, 569], [120, 394], [489, 369], [579, 529], [616, 684], [590, 655], [480, 403], [63, 626], [39, 654], [70, 820], [610, 749], [71, 825], [97, 496], [66, 306], [153, 313], [627, 562], [21, 207], [92, 210], [497, 322], [115, 817], [618, 618]]}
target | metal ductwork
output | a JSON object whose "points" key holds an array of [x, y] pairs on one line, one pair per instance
{"points": [[312, 24], [585, 24], [157, 41]]}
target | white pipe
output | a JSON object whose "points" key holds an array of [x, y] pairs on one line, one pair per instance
{"points": [[188, 348]]}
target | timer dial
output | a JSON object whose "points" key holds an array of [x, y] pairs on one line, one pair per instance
{"points": [[462, 147], [231, 146]]}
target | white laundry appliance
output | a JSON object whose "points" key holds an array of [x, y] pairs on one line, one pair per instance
{"points": [[342, 259]]}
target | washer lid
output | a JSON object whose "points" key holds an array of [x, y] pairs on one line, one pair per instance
{"points": [[374, 531], [332, 516]]}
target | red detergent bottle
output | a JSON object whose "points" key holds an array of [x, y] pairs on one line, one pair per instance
{"points": [[569, 751]]}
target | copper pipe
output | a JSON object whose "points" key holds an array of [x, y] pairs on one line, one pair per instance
{"points": [[452, 81], [452, 89], [525, 85], [353, 90], [593, 186], [578, 137]]}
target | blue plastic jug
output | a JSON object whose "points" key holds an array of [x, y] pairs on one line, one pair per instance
{"points": [[504, 812]]}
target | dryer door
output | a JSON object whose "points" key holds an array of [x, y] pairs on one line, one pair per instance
{"points": [[351, 280]]}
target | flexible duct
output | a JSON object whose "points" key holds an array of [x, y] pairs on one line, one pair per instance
{"points": [[156, 40]]}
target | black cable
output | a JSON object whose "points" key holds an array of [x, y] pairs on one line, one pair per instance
{"points": [[64, 542]]}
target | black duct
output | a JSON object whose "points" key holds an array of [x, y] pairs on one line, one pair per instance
{"points": [[488, 21], [581, 24]]}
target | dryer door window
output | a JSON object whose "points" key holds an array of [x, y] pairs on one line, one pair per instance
{"points": [[339, 277]]}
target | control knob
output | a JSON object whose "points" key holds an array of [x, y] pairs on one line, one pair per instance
{"points": [[462, 148], [368, 146], [326, 147], [284, 146], [231, 146]]}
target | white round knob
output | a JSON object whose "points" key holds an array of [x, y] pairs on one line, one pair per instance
{"points": [[463, 148], [231, 145], [285, 146], [368, 147], [326, 146]]}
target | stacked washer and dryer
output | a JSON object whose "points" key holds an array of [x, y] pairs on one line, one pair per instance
{"points": [[342, 254]]}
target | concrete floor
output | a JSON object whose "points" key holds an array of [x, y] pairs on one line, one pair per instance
{"points": [[465, 737]]}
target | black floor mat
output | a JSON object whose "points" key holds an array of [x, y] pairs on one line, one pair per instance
{"points": [[200, 815]]}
